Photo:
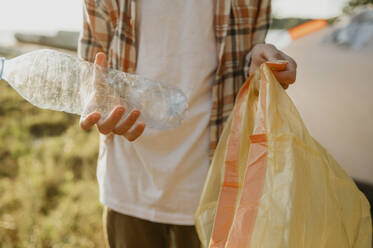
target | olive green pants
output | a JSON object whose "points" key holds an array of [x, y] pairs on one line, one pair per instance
{"points": [[123, 231]]}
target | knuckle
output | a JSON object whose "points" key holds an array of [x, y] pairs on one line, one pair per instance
{"points": [[134, 116], [292, 62], [292, 76], [278, 55], [271, 46], [131, 119], [120, 131], [295, 63], [103, 130], [123, 128]]}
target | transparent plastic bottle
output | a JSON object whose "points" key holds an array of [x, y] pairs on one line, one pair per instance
{"points": [[53, 80]]}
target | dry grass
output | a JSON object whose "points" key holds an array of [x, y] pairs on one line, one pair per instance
{"points": [[48, 188]]}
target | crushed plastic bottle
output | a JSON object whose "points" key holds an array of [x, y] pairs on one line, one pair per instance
{"points": [[53, 80]]}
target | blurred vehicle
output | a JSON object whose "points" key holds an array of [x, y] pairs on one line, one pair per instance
{"points": [[334, 89]]}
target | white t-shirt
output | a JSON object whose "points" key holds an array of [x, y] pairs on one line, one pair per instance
{"points": [[160, 176]]}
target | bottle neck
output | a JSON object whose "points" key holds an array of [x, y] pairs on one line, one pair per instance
{"points": [[2, 64]]}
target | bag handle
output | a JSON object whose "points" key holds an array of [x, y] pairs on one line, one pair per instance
{"points": [[229, 189]]}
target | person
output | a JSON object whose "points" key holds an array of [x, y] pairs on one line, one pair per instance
{"points": [[150, 180]]}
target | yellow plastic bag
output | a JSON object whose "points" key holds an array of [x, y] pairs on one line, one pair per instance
{"points": [[271, 185]]}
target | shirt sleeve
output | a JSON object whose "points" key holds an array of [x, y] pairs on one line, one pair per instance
{"points": [[262, 22], [96, 33]]}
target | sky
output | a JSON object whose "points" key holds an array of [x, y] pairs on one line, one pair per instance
{"points": [[46, 15], [308, 9], [51, 15]]}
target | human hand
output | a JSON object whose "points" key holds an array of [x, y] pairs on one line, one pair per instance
{"points": [[113, 123], [267, 52]]}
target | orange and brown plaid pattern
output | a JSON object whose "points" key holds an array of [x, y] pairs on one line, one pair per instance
{"points": [[109, 27]]}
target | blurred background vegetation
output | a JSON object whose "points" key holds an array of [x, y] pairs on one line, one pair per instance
{"points": [[48, 188], [356, 3]]}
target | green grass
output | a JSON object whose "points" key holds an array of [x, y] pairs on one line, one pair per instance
{"points": [[48, 187]]}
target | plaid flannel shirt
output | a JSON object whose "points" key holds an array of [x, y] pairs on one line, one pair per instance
{"points": [[109, 27]]}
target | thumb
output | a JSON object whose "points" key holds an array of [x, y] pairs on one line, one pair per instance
{"points": [[99, 73], [101, 59]]}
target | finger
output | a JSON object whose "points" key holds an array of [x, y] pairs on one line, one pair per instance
{"points": [[100, 69], [288, 76], [136, 132], [292, 68], [111, 121], [285, 76], [255, 64], [277, 65], [126, 125], [272, 53], [260, 54], [101, 59], [285, 86], [89, 121]]}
